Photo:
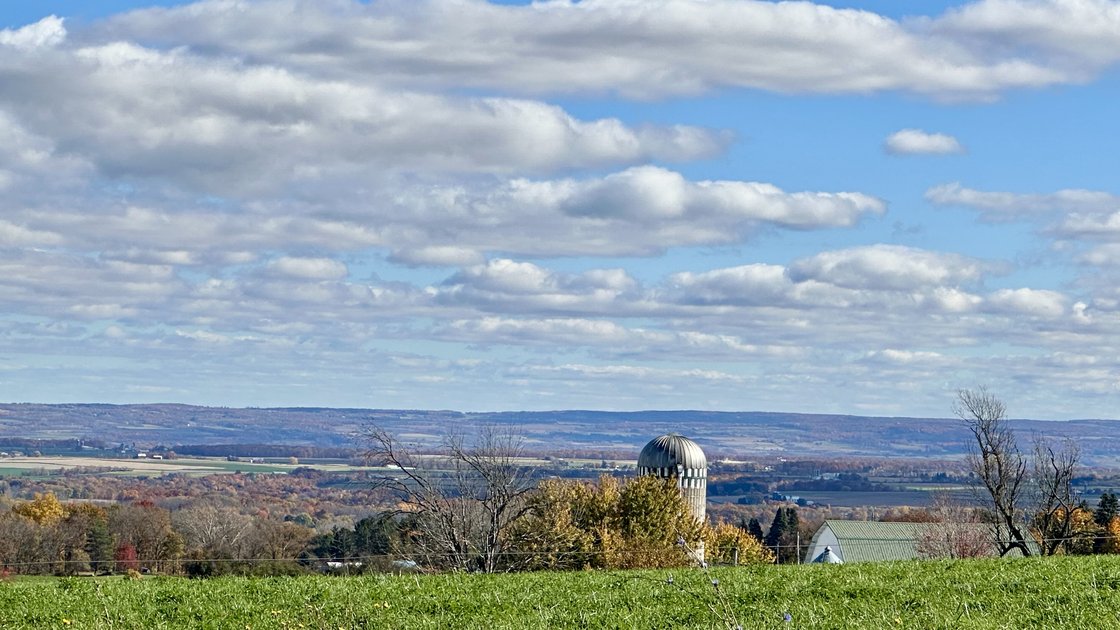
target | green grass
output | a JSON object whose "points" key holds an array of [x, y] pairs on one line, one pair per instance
{"points": [[1030, 593], [17, 471]]}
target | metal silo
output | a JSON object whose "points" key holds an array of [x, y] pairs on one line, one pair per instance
{"points": [[674, 456]]}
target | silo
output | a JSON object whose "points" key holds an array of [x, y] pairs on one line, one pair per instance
{"points": [[673, 456]]}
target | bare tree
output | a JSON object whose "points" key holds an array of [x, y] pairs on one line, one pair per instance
{"points": [[464, 500], [213, 530], [1056, 499], [998, 464], [954, 531]]}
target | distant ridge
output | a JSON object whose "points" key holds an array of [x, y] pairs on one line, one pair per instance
{"points": [[747, 433]]}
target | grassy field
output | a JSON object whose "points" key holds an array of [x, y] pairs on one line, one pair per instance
{"points": [[1031, 593]]}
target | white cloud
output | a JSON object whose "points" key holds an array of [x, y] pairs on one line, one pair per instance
{"points": [[638, 211], [261, 179], [918, 142], [309, 268], [1107, 255], [522, 287], [906, 357], [1032, 302], [651, 193], [1069, 31], [651, 49], [564, 332], [756, 284], [613, 372], [1103, 226], [886, 267], [46, 33], [438, 255], [223, 127], [453, 221], [998, 206], [12, 235]]}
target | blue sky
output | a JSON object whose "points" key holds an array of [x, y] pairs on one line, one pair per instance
{"points": [[849, 207]]}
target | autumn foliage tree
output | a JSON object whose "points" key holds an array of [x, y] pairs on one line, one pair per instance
{"points": [[43, 509], [147, 528], [725, 543], [44, 535], [637, 523]]}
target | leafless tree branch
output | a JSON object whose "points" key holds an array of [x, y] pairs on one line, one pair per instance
{"points": [[998, 464]]}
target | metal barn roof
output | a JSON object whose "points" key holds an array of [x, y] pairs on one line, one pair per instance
{"points": [[875, 541]]}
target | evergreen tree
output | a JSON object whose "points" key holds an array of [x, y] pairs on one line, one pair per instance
{"points": [[754, 528], [99, 545], [782, 537], [1103, 517], [1107, 508], [338, 545], [777, 526], [375, 535]]}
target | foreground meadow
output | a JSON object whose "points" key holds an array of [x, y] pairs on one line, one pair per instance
{"points": [[1078, 592]]}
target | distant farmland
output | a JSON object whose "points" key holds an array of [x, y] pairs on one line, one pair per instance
{"points": [[738, 435], [11, 466]]}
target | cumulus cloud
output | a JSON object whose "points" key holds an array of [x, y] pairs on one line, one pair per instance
{"points": [[855, 290], [565, 332], [1081, 225], [918, 142], [998, 206], [12, 235], [655, 193], [1107, 255], [437, 255], [906, 357], [1094, 227], [638, 211], [309, 268], [891, 267], [224, 127], [1071, 31], [652, 49], [756, 284], [261, 182], [525, 287], [46, 33], [609, 339], [170, 235], [1032, 302]]}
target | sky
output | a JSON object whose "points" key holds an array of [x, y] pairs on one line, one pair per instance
{"points": [[847, 207]]}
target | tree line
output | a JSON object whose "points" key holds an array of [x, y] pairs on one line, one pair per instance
{"points": [[471, 507]]}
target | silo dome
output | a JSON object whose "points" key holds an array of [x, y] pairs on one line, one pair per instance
{"points": [[673, 456]]}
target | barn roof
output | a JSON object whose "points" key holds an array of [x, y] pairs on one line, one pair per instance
{"points": [[874, 541]]}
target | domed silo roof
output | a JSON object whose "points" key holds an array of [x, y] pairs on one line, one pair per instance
{"points": [[667, 451], [674, 456]]}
